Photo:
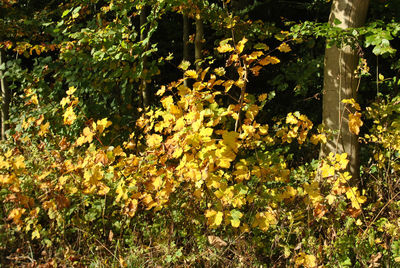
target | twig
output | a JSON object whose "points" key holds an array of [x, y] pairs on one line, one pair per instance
{"points": [[376, 217]]}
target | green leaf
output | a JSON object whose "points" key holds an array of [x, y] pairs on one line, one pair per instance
{"points": [[337, 22], [184, 65], [65, 13], [75, 13]]}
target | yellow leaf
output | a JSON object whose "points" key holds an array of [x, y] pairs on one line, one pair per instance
{"points": [[330, 198], [344, 177], [218, 218], [44, 129], [69, 116], [4, 163], [219, 71], [214, 218], [7, 179], [191, 74], [161, 91], [230, 139], [223, 48], [93, 175], [284, 48], [44, 175], [290, 193], [315, 139], [262, 97], [254, 55], [184, 65], [15, 215], [225, 157], [167, 102], [131, 207], [206, 132], [327, 171], [240, 45], [235, 223], [103, 189], [355, 122], [256, 70], [177, 153], [34, 99], [88, 134], [269, 60], [310, 261], [263, 220], [299, 259], [353, 103], [154, 140], [356, 199], [19, 162], [81, 140], [241, 171], [65, 101], [240, 83], [263, 130], [71, 90], [291, 119], [157, 182], [8, 153], [203, 74], [342, 160], [35, 234], [179, 124], [312, 190], [121, 192], [228, 84], [102, 125]]}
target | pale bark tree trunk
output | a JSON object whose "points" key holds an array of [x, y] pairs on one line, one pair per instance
{"points": [[143, 84], [198, 42], [340, 83], [185, 39], [6, 98]]}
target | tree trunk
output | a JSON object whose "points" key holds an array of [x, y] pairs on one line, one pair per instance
{"points": [[143, 84], [5, 98], [198, 42], [185, 39], [340, 83]]}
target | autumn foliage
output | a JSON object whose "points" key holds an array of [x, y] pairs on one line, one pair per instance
{"points": [[204, 178]]}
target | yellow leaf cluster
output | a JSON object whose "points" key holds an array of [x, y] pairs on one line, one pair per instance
{"points": [[284, 47], [224, 47], [240, 45], [214, 218], [318, 138], [313, 192], [355, 123], [298, 127], [306, 260], [15, 215], [353, 194], [69, 116], [263, 220]]}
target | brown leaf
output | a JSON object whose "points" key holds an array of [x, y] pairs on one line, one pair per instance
{"points": [[216, 241]]}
